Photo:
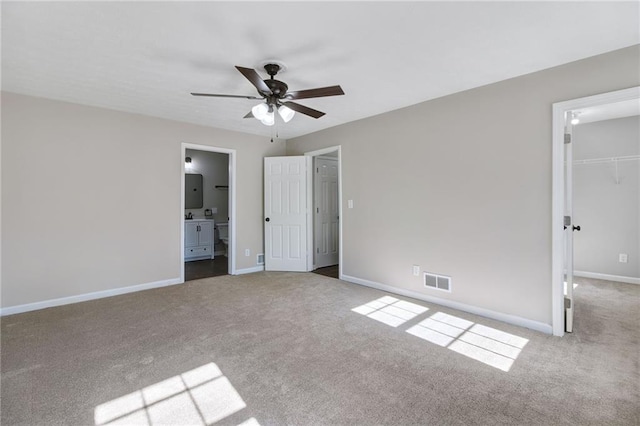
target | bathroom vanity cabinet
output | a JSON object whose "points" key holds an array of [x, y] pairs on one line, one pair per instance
{"points": [[198, 239]]}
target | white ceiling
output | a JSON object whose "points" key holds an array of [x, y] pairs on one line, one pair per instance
{"points": [[146, 57]]}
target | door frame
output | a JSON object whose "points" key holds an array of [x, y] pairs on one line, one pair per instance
{"points": [[558, 193], [310, 197], [231, 252], [316, 204]]}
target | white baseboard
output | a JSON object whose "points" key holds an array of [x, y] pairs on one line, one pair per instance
{"points": [[510, 319], [84, 297], [607, 277], [259, 268]]}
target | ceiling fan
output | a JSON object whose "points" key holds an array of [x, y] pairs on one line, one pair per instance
{"points": [[277, 97]]}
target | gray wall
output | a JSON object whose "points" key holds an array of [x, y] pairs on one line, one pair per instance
{"points": [[91, 197], [461, 185], [214, 168], [608, 212]]}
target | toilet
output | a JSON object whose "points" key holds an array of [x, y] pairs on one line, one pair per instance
{"points": [[223, 233]]}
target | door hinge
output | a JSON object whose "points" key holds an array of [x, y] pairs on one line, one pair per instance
{"points": [[318, 250], [567, 138], [317, 209]]}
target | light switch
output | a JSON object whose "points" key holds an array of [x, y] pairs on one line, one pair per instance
{"points": [[623, 258], [350, 204]]}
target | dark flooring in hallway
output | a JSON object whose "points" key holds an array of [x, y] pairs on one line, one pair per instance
{"points": [[329, 271], [205, 268]]}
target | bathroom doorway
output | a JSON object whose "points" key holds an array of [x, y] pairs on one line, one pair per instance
{"points": [[208, 212]]}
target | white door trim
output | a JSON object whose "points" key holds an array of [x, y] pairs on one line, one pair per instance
{"points": [[310, 237], [557, 202], [232, 203]]}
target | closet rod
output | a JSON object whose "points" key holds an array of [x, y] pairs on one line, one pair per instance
{"points": [[607, 160]]}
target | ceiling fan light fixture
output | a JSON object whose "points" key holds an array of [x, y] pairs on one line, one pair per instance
{"points": [[286, 113], [268, 119], [260, 111]]}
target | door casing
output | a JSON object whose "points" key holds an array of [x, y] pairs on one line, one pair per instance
{"points": [[321, 209]]}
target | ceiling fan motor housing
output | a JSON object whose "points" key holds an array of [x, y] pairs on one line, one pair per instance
{"points": [[278, 88]]}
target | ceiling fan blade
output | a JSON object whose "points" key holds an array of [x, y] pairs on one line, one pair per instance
{"points": [[315, 93], [253, 76], [304, 110], [249, 115], [215, 95]]}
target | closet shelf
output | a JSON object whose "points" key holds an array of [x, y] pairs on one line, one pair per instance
{"points": [[606, 160]]}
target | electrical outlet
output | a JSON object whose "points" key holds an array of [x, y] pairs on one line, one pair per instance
{"points": [[623, 258], [214, 210], [247, 252], [416, 270]]}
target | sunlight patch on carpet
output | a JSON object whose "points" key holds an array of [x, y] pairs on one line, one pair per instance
{"points": [[390, 311], [481, 343], [201, 396]]}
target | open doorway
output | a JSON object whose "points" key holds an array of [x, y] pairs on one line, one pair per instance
{"points": [[207, 220], [587, 162], [325, 228], [606, 191]]}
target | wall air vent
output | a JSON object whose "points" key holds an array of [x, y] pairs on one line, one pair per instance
{"points": [[438, 282], [260, 259]]}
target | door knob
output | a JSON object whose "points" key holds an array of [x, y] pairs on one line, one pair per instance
{"points": [[267, 220], [576, 228]]}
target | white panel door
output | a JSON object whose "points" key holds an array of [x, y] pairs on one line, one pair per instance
{"points": [[285, 213], [568, 224], [326, 212]]}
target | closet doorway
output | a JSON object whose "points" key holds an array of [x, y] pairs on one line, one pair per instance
{"points": [[596, 150], [207, 218], [326, 211], [606, 191]]}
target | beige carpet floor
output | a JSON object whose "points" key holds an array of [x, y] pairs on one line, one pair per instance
{"points": [[303, 349]]}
